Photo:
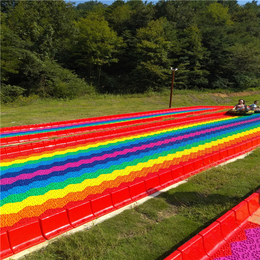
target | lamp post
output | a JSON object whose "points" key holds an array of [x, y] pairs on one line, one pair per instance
{"points": [[173, 71]]}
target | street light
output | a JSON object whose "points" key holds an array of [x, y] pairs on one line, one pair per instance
{"points": [[173, 71]]}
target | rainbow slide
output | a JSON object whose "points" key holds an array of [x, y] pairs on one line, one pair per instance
{"points": [[28, 133], [52, 186]]}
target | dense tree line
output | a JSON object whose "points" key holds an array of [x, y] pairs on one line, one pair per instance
{"points": [[60, 49]]}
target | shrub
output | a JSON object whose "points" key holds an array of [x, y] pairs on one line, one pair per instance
{"points": [[10, 93]]}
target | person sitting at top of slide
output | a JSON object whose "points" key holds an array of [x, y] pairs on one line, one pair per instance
{"points": [[241, 105], [254, 106]]}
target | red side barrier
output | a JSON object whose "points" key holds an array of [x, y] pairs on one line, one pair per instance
{"points": [[188, 168], [34, 137], [255, 141], [243, 147], [137, 190], [55, 224], [241, 212], [102, 205], [3, 141], [12, 140], [23, 138], [165, 178], [4, 156], [207, 160], [12, 150], [193, 249], [25, 147], [231, 152], [25, 236], [121, 197], [152, 184], [253, 202], [80, 214], [228, 224], [198, 164], [237, 150], [42, 136], [249, 145], [215, 158], [5, 248], [212, 238], [5, 129], [176, 255], [223, 155], [38, 145], [177, 173]]}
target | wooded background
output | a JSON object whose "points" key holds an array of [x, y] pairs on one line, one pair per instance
{"points": [[63, 50]]}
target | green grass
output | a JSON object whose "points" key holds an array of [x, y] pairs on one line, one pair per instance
{"points": [[36, 111], [159, 226]]}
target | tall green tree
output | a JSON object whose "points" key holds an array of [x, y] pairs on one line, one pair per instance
{"points": [[44, 25], [11, 50], [118, 15], [83, 9], [216, 26], [181, 14], [32, 33], [191, 59], [152, 52], [141, 14], [95, 46], [7, 5], [11, 53], [243, 65]]}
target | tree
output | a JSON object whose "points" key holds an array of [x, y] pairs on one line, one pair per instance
{"points": [[247, 20], [118, 16], [11, 51], [216, 26], [141, 15], [153, 64], [44, 25], [32, 32], [192, 56], [217, 15], [6, 5], [95, 46], [83, 9], [181, 14], [243, 65]]}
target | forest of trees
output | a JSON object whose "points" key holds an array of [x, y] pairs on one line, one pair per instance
{"points": [[63, 50]]}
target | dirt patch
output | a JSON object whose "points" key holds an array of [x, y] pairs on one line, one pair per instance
{"points": [[172, 211], [236, 94]]}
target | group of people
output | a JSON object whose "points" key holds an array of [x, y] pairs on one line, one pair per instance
{"points": [[241, 106]]}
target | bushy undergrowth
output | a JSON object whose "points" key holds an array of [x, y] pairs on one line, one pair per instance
{"points": [[68, 87], [10, 93]]}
